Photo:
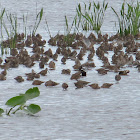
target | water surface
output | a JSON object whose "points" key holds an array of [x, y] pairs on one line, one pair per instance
{"points": [[82, 114]]}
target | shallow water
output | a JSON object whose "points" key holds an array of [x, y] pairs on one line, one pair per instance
{"points": [[105, 114]]}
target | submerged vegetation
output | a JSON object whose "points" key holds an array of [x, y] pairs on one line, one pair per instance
{"points": [[20, 100]]}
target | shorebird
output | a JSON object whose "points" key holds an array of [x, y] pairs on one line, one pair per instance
{"points": [[125, 72], [117, 77], [106, 85], [94, 86], [1, 60], [82, 71], [37, 82], [41, 65], [19, 79], [52, 65], [76, 75], [43, 72], [4, 72], [55, 56], [66, 71], [49, 53], [58, 50], [64, 86], [81, 84], [2, 77], [63, 60], [51, 83], [102, 71]]}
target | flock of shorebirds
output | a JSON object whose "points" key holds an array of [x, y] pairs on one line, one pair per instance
{"points": [[125, 53]]}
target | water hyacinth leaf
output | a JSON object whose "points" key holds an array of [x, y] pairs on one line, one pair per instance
{"points": [[32, 93], [33, 108], [17, 100], [1, 111]]}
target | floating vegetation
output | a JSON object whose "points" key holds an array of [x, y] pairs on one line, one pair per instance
{"points": [[20, 100]]}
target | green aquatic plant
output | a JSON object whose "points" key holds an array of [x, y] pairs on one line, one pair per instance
{"points": [[68, 37], [25, 19], [1, 22], [48, 29], [10, 30], [69, 28], [91, 18], [37, 22], [20, 100], [1, 111], [129, 20], [1, 19]]}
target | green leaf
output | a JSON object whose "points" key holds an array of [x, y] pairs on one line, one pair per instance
{"points": [[33, 108], [32, 93], [17, 100], [1, 111]]}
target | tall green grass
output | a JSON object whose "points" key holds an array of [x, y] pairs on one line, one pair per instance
{"points": [[128, 18], [1, 27], [9, 26], [92, 16], [68, 37], [37, 22]]}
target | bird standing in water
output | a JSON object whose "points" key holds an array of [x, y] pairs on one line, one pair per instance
{"points": [[64, 86], [118, 77], [82, 71]]}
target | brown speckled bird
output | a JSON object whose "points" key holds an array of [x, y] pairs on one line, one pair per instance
{"points": [[64, 86], [43, 72], [117, 77], [55, 56], [125, 72], [94, 86], [76, 75], [51, 83], [102, 71], [106, 85], [2, 77], [4, 72], [63, 60], [66, 71], [41, 65], [81, 84], [37, 82], [19, 79], [52, 65]]}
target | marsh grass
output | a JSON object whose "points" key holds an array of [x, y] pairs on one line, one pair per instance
{"points": [[48, 29], [25, 19], [91, 18], [68, 37], [129, 19], [37, 22], [1, 27], [9, 28]]}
